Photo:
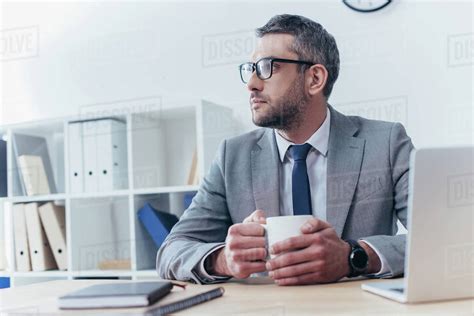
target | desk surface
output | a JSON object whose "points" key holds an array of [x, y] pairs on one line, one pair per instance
{"points": [[256, 296]]}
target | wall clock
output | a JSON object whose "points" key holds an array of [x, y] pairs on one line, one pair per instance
{"points": [[366, 5]]}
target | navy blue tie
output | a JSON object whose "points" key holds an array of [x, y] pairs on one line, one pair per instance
{"points": [[300, 181]]}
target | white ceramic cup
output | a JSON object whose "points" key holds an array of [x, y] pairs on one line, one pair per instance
{"points": [[279, 228]]}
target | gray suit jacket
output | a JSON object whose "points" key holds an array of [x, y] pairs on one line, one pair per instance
{"points": [[367, 188]]}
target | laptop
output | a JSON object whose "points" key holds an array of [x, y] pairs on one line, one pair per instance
{"points": [[440, 243]]}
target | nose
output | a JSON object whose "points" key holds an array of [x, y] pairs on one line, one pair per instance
{"points": [[255, 83]]}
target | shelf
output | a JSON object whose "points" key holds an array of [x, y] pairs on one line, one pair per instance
{"points": [[102, 273], [45, 139], [85, 273], [41, 274], [63, 196], [36, 198], [107, 223], [99, 194], [50, 126], [167, 189], [154, 135], [163, 144]]}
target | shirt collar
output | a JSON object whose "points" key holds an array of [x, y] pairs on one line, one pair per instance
{"points": [[319, 140]]}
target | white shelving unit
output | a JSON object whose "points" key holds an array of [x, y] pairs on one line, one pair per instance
{"points": [[104, 225]]}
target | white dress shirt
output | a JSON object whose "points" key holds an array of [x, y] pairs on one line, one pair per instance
{"points": [[316, 164]]}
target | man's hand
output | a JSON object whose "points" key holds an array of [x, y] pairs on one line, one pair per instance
{"points": [[317, 256], [244, 252]]}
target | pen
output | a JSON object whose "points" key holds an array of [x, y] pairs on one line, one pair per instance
{"points": [[186, 303]]}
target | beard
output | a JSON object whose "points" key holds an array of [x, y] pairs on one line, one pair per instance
{"points": [[284, 113]]}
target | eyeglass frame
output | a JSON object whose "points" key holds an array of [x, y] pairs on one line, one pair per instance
{"points": [[272, 60]]}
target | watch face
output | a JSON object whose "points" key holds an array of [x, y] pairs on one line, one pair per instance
{"points": [[366, 5], [359, 259]]}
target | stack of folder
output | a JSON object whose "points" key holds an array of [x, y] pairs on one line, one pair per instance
{"points": [[98, 155], [40, 237]]}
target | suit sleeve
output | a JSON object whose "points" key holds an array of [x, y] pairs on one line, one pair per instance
{"points": [[202, 228], [392, 248]]}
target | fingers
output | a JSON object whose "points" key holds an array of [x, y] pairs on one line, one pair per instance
{"points": [[309, 278], [243, 270], [290, 258], [295, 270], [244, 242], [243, 262], [313, 231], [245, 249], [314, 225], [248, 255], [247, 229], [324, 260], [291, 244], [257, 216]]}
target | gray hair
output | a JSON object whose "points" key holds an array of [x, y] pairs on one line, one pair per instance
{"points": [[312, 43]]}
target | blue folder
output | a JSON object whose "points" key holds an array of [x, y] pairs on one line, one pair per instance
{"points": [[188, 199], [157, 223], [4, 283]]}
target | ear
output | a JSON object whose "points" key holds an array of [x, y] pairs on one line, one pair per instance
{"points": [[317, 76]]}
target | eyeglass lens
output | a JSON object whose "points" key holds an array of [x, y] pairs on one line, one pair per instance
{"points": [[263, 67], [246, 71]]}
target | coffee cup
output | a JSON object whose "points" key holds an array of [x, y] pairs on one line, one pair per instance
{"points": [[279, 228]]}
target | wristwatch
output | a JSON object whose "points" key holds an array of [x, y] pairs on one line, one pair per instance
{"points": [[358, 259]]}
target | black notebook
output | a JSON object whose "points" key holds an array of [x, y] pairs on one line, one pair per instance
{"points": [[132, 294]]}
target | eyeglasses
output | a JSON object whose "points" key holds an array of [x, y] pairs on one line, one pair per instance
{"points": [[264, 67]]}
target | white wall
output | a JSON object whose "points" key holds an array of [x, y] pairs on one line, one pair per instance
{"points": [[411, 62]]}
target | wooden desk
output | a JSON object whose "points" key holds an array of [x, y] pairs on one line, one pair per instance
{"points": [[257, 296]]}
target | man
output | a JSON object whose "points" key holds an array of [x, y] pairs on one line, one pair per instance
{"points": [[349, 172]]}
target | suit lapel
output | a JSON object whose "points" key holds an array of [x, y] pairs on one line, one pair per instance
{"points": [[345, 154], [265, 174]]}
